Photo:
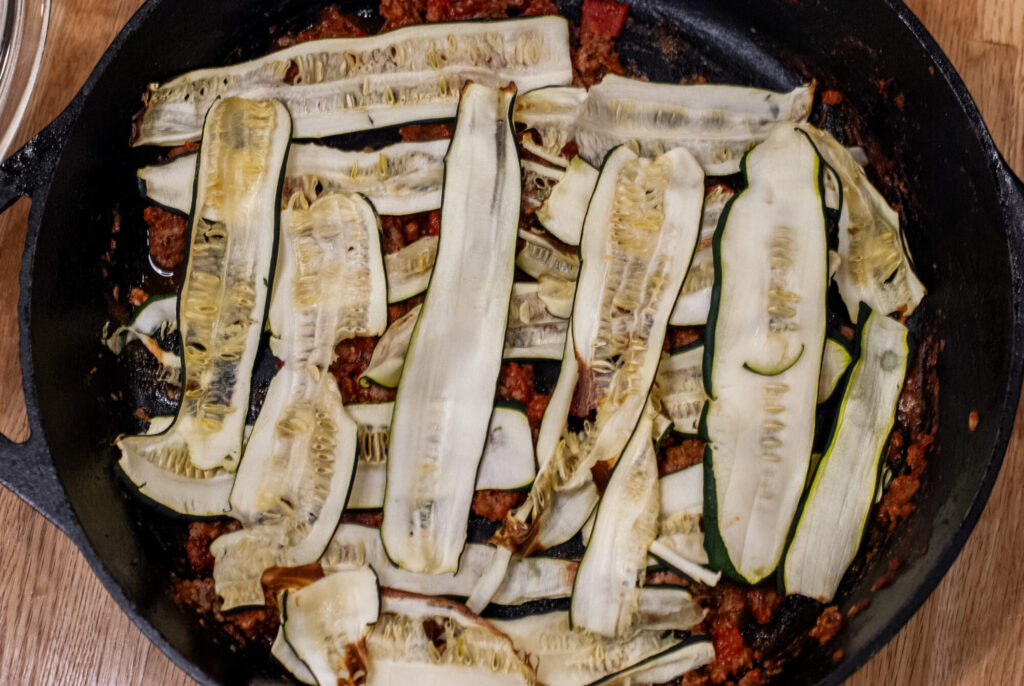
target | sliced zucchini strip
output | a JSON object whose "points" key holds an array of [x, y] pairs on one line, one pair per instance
{"points": [[295, 474], [284, 654], [563, 212], [552, 113], [830, 526], [533, 332], [528, 578], [641, 229], [695, 298], [768, 304], [680, 542], [669, 608], [443, 406], [221, 309], [686, 656], [388, 359], [326, 622], [557, 294], [403, 178], [605, 597], [834, 362], [875, 267], [341, 85], [427, 640], [716, 124], [680, 387], [540, 256], [507, 463], [156, 317], [409, 269], [576, 658]]}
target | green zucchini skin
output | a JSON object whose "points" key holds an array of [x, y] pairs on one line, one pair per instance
{"points": [[829, 527], [759, 429], [183, 467], [445, 395]]}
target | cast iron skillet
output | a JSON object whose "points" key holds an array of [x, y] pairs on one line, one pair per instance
{"points": [[963, 208]]}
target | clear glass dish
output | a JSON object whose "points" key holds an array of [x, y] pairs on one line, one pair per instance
{"points": [[22, 37]]}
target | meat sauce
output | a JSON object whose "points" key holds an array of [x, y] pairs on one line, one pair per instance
{"points": [[743, 622]]}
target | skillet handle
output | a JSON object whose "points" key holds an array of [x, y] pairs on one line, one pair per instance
{"points": [[26, 468]]}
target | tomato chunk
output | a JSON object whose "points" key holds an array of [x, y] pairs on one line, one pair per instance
{"points": [[604, 17]]}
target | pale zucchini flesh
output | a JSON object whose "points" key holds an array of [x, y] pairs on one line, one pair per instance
{"points": [[640, 232], [716, 124], [834, 362], [409, 269], [767, 313], [875, 266], [528, 578], [695, 297], [388, 359], [551, 112], [680, 388], [325, 622], [577, 658], [541, 256], [830, 525], [221, 308], [507, 463], [444, 400], [342, 85], [398, 179], [563, 212], [606, 597], [688, 655], [295, 474]]}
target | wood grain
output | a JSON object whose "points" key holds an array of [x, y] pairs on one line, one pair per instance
{"points": [[59, 627]]}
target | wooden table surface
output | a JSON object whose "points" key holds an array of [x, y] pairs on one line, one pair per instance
{"points": [[58, 625]]}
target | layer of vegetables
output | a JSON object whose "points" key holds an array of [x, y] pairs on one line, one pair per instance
{"points": [[629, 238]]}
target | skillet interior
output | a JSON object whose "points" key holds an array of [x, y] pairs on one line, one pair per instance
{"points": [[951, 213]]}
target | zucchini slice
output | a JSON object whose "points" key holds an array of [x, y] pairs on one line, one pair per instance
{"points": [[427, 640], [557, 294], [830, 526], [640, 232], [403, 178], [507, 463], [680, 387], [294, 477], [695, 298], [388, 359], [686, 656], [341, 85], [716, 124], [326, 622], [221, 308], [680, 541], [576, 658], [409, 269], [284, 654], [540, 256], [158, 316], [669, 608], [444, 400], [876, 266], [768, 304], [563, 212], [552, 113], [528, 578], [533, 332], [605, 597], [834, 362]]}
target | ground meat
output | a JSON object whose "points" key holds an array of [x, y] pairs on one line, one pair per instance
{"points": [[370, 518], [678, 453], [494, 505], [243, 629], [167, 233], [426, 132], [452, 10], [330, 23], [762, 601], [185, 149], [679, 336], [399, 231], [595, 57], [828, 624], [399, 310], [137, 296], [516, 382], [200, 536], [399, 13], [352, 358], [895, 503]]}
